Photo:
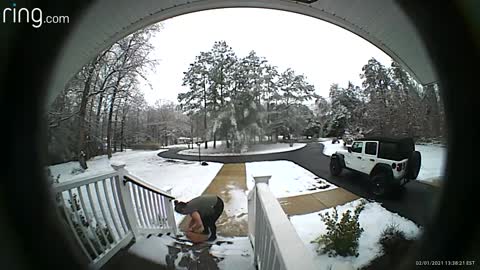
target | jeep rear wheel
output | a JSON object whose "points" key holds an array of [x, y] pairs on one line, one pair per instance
{"points": [[379, 184], [335, 167], [414, 164]]}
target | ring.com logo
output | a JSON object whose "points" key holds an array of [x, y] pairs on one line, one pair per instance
{"points": [[34, 16]]}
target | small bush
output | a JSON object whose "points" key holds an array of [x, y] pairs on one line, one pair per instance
{"points": [[342, 235], [391, 238]]}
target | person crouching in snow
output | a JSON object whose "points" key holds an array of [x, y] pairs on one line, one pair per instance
{"points": [[204, 212]]}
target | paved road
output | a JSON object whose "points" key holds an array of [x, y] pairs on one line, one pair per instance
{"points": [[415, 202]]}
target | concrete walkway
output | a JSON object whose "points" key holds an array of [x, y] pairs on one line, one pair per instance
{"points": [[230, 184], [314, 202]]}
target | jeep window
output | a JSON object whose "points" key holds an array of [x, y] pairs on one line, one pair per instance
{"points": [[371, 148], [357, 147], [392, 151]]}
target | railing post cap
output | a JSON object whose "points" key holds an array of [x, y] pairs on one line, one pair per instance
{"points": [[117, 165], [168, 189], [262, 179]]}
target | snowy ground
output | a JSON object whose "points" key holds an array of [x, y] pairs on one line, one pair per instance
{"points": [[373, 219], [288, 179], [255, 149], [237, 205], [188, 179], [433, 162], [433, 159]]}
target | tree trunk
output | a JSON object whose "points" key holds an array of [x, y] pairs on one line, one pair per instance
{"points": [[205, 113], [83, 110], [115, 131], [214, 139], [110, 116], [122, 132]]}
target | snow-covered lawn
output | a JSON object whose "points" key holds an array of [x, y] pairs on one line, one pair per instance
{"points": [[288, 179], [256, 149], [188, 179], [373, 219], [433, 159]]}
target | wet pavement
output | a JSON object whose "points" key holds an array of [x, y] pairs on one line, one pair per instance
{"points": [[176, 252], [231, 186]]}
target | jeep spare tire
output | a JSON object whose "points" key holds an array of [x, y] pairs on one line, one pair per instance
{"points": [[414, 164], [335, 166]]}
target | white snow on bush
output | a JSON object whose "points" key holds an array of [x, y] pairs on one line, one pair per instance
{"points": [[256, 149], [373, 219], [288, 179]]}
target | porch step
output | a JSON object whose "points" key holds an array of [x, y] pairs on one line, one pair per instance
{"points": [[169, 252]]}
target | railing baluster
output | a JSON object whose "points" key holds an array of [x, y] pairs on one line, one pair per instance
{"points": [[80, 223], [144, 207], [170, 215], [87, 216], [73, 229], [138, 208], [157, 210], [111, 212], [153, 210], [102, 209], [163, 212], [148, 208], [116, 192], [97, 220], [131, 194]]}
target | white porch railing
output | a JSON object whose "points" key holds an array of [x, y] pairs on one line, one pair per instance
{"points": [[106, 212], [275, 241]]}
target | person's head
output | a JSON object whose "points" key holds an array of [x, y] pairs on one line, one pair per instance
{"points": [[179, 206]]}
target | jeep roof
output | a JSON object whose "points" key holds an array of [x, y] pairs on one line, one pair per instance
{"points": [[393, 148]]}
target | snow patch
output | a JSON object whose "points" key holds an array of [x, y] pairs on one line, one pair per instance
{"points": [[288, 179], [373, 219], [257, 149]]}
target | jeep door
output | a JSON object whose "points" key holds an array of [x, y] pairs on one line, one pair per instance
{"points": [[353, 159], [370, 158]]}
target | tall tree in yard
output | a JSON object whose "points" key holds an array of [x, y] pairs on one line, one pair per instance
{"points": [[293, 91], [377, 84], [134, 53], [220, 75], [197, 79]]}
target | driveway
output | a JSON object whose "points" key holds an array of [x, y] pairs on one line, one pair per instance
{"points": [[415, 201]]}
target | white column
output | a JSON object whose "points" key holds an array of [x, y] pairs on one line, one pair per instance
{"points": [[252, 206], [170, 215], [125, 199]]}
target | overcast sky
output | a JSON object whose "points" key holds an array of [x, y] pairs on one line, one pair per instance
{"points": [[325, 53]]}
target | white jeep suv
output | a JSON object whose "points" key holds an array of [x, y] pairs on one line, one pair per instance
{"points": [[388, 162]]}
